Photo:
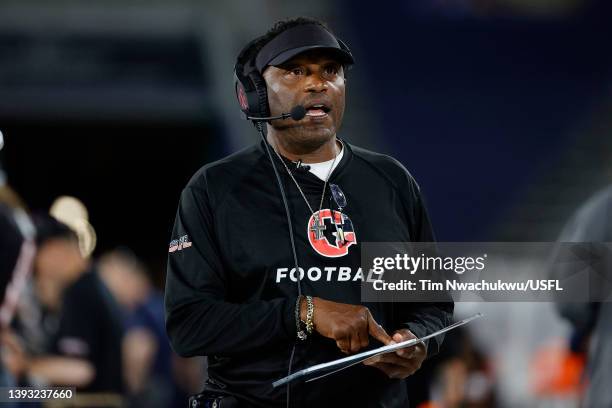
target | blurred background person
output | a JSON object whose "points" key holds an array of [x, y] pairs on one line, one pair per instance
{"points": [[82, 348], [149, 364], [86, 350], [17, 252], [11, 242], [463, 376], [592, 321]]}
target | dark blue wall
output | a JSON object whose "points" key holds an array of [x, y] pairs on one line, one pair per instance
{"points": [[475, 106]]}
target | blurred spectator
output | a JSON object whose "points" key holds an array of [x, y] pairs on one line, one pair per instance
{"points": [[592, 222], [464, 378], [17, 251], [40, 303], [148, 361], [16, 232], [86, 349], [16, 258]]}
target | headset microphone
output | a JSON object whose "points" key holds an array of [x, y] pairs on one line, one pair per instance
{"points": [[297, 113]]}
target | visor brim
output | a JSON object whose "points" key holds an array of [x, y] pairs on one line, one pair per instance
{"points": [[340, 55]]}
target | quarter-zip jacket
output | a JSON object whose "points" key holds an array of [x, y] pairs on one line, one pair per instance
{"points": [[231, 284]]}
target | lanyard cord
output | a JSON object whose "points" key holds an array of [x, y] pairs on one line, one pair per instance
{"points": [[300, 189], [259, 126]]}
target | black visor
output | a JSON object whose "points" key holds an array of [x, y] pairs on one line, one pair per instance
{"points": [[298, 39]]}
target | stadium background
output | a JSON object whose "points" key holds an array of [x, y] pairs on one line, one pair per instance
{"points": [[499, 108]]}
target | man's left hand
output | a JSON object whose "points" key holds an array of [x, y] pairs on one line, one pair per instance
{"points": [[403, 362]]}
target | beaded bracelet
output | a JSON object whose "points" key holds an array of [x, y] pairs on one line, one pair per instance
{"points": [[309, 315], [301, 334]]}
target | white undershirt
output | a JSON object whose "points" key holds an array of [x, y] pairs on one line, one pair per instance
{"points": [[322, 169]]}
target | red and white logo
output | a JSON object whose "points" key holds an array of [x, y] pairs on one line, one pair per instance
{"points": [[179, 244], [242, 98], [331, 236]]}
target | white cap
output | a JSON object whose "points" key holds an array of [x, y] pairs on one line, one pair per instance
{"points": [[72, 212]]}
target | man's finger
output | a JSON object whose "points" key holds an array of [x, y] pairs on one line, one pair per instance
{"points": [[377, 331], [343, 345], [363, 340], [355, 343], [403, 335], [392, 371], [392, 358], [407, 352], [372, 360]]}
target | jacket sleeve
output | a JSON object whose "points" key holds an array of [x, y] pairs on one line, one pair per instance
{"points": [[423, 318], [199, 319]]}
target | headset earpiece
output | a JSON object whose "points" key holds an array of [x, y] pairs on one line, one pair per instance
{"points": [[262, 93], [250, 87]]}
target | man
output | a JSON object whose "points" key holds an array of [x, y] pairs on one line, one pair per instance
{"points": [[232, 287], [17, 251], [591, 223], [86, 350], [148, 361], [16, 257]]}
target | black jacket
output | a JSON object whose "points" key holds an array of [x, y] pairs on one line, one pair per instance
{"points": [[91, 328], [229, 292]]}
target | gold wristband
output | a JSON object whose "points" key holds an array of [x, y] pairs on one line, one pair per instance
{"points": [[309, 315]]}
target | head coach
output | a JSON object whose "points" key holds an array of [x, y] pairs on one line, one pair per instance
{"points": [[264, 266]]}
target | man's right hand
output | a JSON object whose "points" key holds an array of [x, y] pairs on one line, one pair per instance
{"points": [[349, 325]]}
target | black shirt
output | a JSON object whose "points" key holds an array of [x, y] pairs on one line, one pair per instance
{"points": [[229, 292], [91, 328]]}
